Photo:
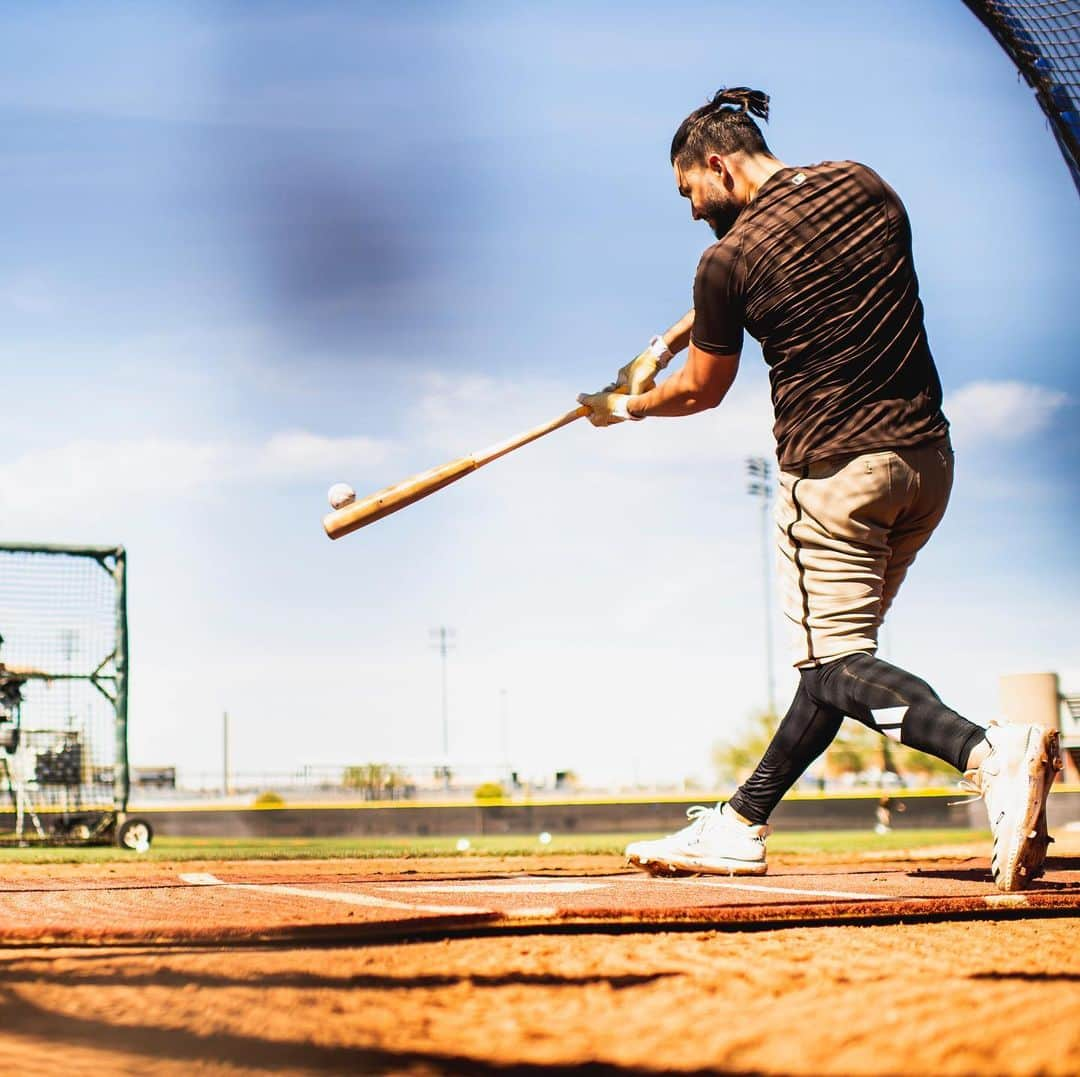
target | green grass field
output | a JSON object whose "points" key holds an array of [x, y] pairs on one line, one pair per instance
{"points": [[172, 849]]}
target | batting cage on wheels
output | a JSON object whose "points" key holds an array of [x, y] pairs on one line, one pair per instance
{"points": [[63, 696]]}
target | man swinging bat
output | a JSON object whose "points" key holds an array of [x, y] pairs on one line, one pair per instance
{"points": [[816, 264]]}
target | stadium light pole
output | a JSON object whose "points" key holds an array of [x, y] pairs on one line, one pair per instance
{"points": [[760, 486], [226, 762], [443, 639], [504, 723]]}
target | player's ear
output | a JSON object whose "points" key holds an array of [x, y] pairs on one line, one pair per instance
{"points": [[719, 166]]}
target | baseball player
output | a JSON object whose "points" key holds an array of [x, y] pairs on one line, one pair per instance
{"points": [[815, 263]]}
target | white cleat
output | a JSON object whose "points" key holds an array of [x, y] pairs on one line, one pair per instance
{"points": [[714, 843], [1014, 781]]}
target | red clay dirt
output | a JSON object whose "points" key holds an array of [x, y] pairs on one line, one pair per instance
{"points": [[949, 998], [544, 965], [335, 900]]}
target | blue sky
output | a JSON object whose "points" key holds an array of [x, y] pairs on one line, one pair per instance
{"points": [[254, 249]]}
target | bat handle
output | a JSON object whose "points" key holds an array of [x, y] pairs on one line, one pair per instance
{"points": [[501, 448]]}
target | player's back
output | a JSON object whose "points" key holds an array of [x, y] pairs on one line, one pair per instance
{"points": [[822, 269]]}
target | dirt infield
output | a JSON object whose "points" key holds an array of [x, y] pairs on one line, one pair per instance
{"points": [[487, 965], [337, 901]]}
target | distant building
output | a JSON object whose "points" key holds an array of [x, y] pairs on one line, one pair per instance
{"points": [[1037, 698]]}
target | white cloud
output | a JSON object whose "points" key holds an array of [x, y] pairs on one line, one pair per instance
{"points": [[111, 470], [460, 415], [300, 454], [28, 293], [1002, 410]]}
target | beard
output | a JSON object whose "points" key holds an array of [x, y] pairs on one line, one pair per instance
{"points": [[720, 211]]}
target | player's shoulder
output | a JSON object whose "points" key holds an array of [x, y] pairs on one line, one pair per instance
{"points": [[840, 170], [851, 172], [720, 256]]}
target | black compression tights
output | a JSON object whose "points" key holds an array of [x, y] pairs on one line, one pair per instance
{"points": [[881, 696]]}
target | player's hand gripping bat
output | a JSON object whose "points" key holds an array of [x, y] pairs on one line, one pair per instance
{"points": [[357, 514]]}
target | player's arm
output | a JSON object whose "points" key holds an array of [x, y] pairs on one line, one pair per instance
{"points": [[697, 386], [678, 336], [714, 331], [639, 375]]}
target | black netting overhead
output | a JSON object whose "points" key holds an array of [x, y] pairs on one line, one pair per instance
{"points": [[1043, 39]]}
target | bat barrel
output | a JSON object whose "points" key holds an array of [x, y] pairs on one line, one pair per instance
{"points": [[359, 514]]}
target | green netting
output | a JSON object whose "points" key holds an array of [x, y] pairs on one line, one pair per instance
{"points": [[63, 716], [1043, 39]]}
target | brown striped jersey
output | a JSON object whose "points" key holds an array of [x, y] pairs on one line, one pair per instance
{"points": [[818, 268]]}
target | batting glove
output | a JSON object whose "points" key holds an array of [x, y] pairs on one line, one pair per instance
{"points": [[639, 375], [606, 407]]}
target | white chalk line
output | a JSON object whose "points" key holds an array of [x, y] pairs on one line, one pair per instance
{"points": [[201, 879], [370, 901], [762, 888], [540, 887]]}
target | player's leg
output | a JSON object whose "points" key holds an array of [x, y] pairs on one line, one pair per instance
{"points": [[808, 728], [895, 703], [837, 590], [732, 837], [927, 478], [853, 527], [837, 522], [717, 841], [1011, 766]]}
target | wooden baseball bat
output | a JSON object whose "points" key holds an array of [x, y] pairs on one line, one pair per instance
{"points": [[382, 503]]}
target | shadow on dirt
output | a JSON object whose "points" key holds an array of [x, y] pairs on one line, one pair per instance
{"points": [[1029, 977], [40, 972], [981, 874], [268, 1055]]}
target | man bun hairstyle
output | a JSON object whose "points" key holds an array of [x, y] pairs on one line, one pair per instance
{"points": [[724, 125]]}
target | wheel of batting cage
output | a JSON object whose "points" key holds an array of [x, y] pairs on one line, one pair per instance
{"points": [[78, 832], [135, 834]]}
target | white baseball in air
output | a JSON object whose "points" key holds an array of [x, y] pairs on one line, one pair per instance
{"points": [[340, 495], [545, 838], [463, 845]]}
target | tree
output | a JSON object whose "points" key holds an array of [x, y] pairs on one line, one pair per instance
{"points": [[858, 749], [910, 761], [854, 750], [376, 781], [734, 759]]}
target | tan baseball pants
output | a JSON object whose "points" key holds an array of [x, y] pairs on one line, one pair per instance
{"points": [[848, 529]]}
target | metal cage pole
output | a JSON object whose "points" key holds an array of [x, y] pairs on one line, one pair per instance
{"points": [[121, 772]]}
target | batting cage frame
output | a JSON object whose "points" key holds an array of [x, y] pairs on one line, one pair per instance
{"points": [[64, 668], [1042, 38]]}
